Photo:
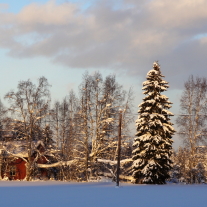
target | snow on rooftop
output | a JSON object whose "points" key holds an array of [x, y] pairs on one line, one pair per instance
{"points": [[17, 148]]}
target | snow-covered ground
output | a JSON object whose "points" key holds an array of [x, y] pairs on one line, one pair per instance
{"points": [[104, 194]]}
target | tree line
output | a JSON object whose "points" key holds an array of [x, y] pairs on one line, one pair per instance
{"points": [[80, 133], [81, 128]]}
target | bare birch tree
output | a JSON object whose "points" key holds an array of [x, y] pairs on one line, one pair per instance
{"points": [[100, 101], [28, 105], [193, 119], [64, 126]]}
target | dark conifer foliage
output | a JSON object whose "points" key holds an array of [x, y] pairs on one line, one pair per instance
{"points": [[153, 143]]}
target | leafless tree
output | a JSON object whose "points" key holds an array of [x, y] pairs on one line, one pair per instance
{"points": [[3, 118], [193, 119], [28, 105], [100, 101], [63, 119]]}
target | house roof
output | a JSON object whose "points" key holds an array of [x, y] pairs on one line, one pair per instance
{"points": [[14, 148], [18, 148]]}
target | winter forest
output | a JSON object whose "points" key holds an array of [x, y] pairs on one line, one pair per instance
{"points": [[88, 135]]}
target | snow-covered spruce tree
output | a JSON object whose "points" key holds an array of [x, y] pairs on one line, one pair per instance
{"points": [[153, 143]]}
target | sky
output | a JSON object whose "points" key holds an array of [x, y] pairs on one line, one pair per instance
{"points": [[61, 39]]}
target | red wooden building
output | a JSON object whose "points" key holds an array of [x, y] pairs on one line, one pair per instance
{"points": [[14, 157]]}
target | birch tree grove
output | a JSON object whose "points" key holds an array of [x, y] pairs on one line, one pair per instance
{"points": [[64, 125], [28, 105], [192, 122], [79, 134], [100, 101]]}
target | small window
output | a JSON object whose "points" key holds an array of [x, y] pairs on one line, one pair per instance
{"points": [[12, 170]]}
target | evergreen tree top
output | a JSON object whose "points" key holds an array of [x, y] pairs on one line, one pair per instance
{"points": [[155, 85], [155, 72]]}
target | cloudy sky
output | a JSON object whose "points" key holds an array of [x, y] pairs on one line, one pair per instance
{"points": [[60, 39]]}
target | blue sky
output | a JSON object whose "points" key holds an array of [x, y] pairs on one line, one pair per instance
{"points": [[60, 39], [15, 7]]}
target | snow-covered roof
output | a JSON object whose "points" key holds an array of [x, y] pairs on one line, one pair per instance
{"points": [[15, 148], [18, 148]]}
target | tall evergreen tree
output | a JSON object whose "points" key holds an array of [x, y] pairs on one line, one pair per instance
{"points": [[153, 143]]}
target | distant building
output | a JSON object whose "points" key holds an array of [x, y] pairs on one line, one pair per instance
{"points": [[14, 156]]}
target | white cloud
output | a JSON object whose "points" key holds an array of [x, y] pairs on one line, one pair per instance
{"points": [[203, 41], [182, 14], [125, 37], [48, 14], [3, 6]]}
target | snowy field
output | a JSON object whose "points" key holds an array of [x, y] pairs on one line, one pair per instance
{"points": [[62, 194]]}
